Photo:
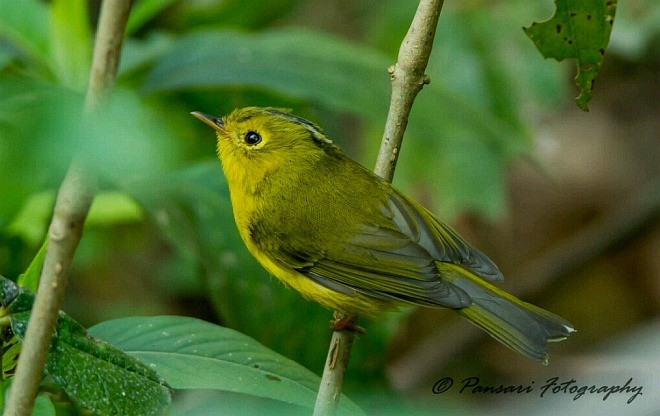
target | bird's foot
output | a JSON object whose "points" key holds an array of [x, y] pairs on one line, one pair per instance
{"points": [[345, 322]]}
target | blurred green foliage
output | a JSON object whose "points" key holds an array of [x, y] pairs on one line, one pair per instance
{"points": [[162, 227]]}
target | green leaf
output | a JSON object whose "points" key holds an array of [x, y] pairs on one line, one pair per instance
{"points": [[143, 11], [112, 208], [108, 208], [71, 42], [138, 53], [101, 379], [93, 373], [250, 15], [300, 63], [11, 349], [31, 221], [24, 24], [208, 403], [30, 279], [579, 29], [193, 354], [43, 406], [6, 56]]}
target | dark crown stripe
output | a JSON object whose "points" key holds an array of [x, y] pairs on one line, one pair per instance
{"points": [[317, 133]]}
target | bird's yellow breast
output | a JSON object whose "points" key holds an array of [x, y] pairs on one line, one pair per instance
{"points": [[244, 207]]}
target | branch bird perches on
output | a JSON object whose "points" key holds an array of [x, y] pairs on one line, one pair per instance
{"points": [[408, 78]]}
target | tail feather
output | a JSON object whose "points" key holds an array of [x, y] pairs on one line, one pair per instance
{"points": [[519, 325]]}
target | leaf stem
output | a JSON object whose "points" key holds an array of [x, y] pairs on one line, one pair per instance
{"points": [[71, 207], [408, 78]]}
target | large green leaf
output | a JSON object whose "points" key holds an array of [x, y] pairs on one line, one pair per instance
{"points": [[244, 14], [193, 354], [208, 403], [578, 29], [298, 63], [94, 374]]}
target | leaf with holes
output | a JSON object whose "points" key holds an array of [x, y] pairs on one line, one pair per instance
{"points": [[579, 29]]}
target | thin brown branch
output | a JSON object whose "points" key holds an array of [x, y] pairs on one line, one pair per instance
{"points": [[332, 381], [107, 51], [71, 207], [408, 78]]}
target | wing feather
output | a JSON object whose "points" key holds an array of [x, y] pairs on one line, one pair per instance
{"points": [[440, 240], [393, 258]]}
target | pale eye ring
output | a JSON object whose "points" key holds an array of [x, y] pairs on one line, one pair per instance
{"points": [[252, 138]]}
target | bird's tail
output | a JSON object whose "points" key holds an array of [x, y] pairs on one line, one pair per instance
{"points": [[519, 325]]}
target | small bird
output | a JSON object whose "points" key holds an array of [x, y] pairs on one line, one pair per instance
{"points": [[349, 240]]}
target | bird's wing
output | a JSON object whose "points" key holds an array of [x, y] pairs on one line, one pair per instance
{"points": [[436, 237], [393, 258]]}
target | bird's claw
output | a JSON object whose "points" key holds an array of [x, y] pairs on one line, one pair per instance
{"points": [[345, 322]]}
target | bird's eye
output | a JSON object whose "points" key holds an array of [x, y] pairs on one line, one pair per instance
{"points": [[252, 137]]}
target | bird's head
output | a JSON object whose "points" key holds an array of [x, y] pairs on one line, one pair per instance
{"points": [[254, 142]]}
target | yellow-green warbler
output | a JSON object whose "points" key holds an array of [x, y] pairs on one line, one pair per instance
{"points": [[345, 238]]}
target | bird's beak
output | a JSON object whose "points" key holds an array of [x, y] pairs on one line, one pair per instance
{"points": [[215, 122]]}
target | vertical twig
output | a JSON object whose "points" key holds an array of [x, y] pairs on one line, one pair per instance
{"points": [[107, 51], [71, 207], [408, 78]]}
